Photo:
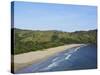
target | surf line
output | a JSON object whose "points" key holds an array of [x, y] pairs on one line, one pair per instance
{"points": [[68, 56], [79, 47], [53, 64], [55, 59], [50, 66]]}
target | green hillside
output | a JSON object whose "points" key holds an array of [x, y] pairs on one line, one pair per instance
{"points": [[30, 40]]}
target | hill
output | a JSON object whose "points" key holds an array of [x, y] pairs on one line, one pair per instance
{"points": [[33, 40]]}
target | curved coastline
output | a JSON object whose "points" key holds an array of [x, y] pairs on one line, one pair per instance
{"points": [[27, 59]]}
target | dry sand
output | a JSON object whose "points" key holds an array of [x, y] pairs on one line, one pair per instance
{"points": [[26, 59]]}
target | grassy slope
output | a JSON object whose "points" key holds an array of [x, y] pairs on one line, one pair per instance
{"points": [[28, 40]]}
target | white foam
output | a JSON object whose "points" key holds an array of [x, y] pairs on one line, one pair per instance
{"points": [[66, 58], [77, 49], [80, 47], [52, 65], [55, 59]]}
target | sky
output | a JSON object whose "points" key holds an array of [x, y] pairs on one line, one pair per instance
{"points": [[47, 16]]}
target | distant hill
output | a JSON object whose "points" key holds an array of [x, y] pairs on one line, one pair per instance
{"points": [[33, 40]]}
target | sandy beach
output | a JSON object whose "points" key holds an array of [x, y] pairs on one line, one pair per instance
{"points": [[26, 59]]}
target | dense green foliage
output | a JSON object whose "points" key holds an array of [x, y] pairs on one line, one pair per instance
{"points": [[28, 40]]}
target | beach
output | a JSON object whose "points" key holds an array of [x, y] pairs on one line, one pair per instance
{"points": [[26, 59]]}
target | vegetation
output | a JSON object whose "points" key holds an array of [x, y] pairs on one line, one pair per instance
{"points": [[28, 40]]}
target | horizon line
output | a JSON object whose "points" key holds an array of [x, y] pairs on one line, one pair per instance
{"points": [[53, 30]]}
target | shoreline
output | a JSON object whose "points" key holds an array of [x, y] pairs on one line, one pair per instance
{"points": [[26, 59]]}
